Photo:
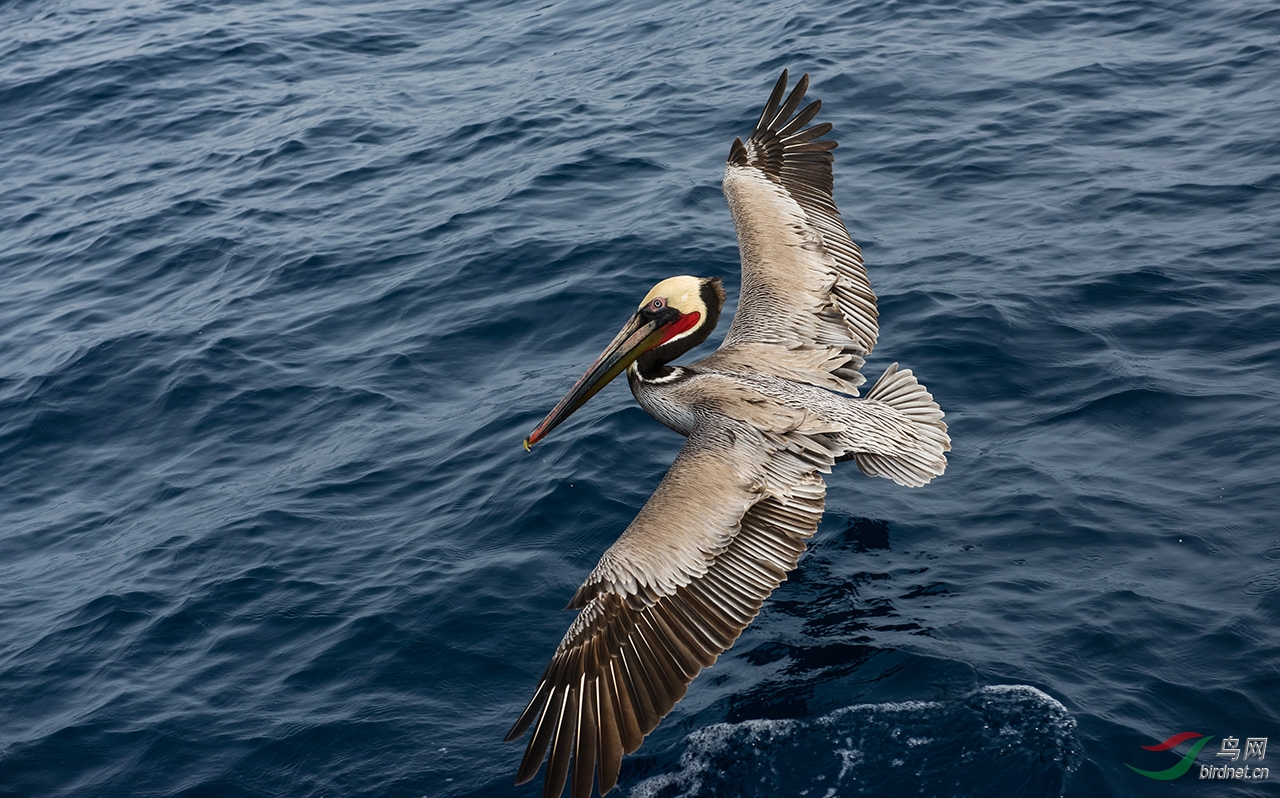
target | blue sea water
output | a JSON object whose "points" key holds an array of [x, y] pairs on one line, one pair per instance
{"points": [[283, 285]]}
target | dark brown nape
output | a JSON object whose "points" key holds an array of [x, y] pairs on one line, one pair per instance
{"points": [[652, 365]]}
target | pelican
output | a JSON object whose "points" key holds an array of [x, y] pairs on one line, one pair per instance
{"points": [[766, 415]]}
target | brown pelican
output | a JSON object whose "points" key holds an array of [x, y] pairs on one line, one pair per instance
{"points": [[766, 415]]}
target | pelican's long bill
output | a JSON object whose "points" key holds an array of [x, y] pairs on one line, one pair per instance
{"points": [[643, 332]]}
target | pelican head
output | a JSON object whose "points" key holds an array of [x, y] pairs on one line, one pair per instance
{"points": [[676, 315]]}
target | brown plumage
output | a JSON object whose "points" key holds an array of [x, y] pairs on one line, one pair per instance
{"points": [[766, 415]]}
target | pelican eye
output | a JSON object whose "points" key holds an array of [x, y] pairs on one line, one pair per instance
{"points": [[657, 304]]}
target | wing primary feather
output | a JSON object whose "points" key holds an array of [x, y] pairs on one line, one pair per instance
{"points": [[771, 107], [610, 742], [642, 690], [584, 748], [793, 102], [530, 712], [561, 749], [628, 724], [542, 736], [804, 136], [801, 119]]}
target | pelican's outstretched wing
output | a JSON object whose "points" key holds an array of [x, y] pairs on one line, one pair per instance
{"points": [[805, 292], [724, 527]]}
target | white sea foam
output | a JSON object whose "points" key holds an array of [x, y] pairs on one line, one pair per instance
{"points": [[976, 744]]}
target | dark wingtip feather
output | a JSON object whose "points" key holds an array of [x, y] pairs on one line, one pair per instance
{"points": [[771, 107], [610, 742], [793, 101], [781, 136], [526, 718], [585, 746], [801, 119], [537, 747], [561, 749]]}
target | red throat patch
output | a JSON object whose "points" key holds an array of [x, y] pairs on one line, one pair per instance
{"points": [[685, 323]]}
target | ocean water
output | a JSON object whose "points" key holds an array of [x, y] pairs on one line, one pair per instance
{"points": [[283, 286]]}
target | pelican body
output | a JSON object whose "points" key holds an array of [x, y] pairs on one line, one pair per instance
{"points": [[766, 415]]}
